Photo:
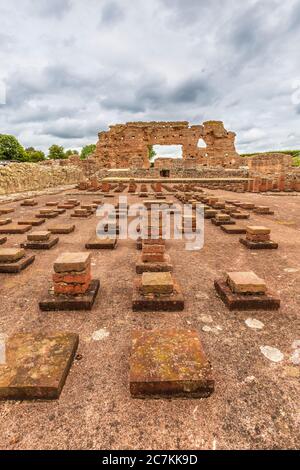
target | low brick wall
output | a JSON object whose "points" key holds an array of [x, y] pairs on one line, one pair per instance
{"points": [[20, 177]]}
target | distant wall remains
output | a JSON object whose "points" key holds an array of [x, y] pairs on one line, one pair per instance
{"points": [[21, 177], [127, 145]]}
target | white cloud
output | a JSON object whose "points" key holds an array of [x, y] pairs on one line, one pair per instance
{"points": [[72, 68]]}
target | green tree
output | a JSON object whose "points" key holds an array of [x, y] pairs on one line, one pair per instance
{"points": [[33, 155], [56, 152], [87, 151], [152, 154], [10, 148], [71, 152]]}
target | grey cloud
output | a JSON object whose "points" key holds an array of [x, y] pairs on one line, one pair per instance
{"points": [[164, 59], [112, 13], [51, 8]]}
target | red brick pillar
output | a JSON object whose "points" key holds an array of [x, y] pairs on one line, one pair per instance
{"points": [[256, 185], [263, 185], [281, 183]]}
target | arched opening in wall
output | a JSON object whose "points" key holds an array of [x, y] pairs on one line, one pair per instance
{"points": [[201, 144], [168, 151]]}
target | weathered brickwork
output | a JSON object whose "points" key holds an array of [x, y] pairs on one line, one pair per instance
{"points": [[127, 145]]}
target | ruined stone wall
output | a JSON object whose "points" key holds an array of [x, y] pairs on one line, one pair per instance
{"points": [[127, 145], [21, 177], [269, 163]]}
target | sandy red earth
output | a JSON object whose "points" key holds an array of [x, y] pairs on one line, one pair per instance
{"points": [[256, 401]]}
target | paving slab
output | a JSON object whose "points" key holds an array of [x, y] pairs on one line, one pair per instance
{"points": [[169, 364], [61, 229], [15, 229], [36, 365]]}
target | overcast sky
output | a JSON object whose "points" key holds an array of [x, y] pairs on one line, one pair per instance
{"points": [[74, 67]]}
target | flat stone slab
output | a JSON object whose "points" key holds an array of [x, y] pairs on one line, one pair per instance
{"points": [[246, 283], [40, 245], [169, 364], [54, 302], [47, 216], [268, 245], [240, 216], [156, 267], [157, 283], [29, 203], [5, 221], [15, 229], [16, 267], [61, 229], [8, 255], [82, 216], [153, 302], [258, 230], [219, 223], [68, 262], [235, 301], [33, 222], [40, 236], [52, 204], [59, 211], [36, 365], [233, 229], [6, 210], [98, 244], [3, 240]]}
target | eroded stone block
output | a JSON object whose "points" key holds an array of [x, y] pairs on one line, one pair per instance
{"points": [[168, 364], [36, 365]]}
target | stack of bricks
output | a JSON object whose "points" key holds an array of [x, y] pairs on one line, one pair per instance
{"points": [[72, 274], [73, 286], [258, 237]]}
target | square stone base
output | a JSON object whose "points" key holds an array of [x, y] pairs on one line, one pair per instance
{"points": [[53, 302], [45, 245], [218, 224], [164, 302], [61, 229], [240, 216], [3, 240], [33, 222], [233, 230], [267, 301], [47, 216], [17, 266], [266, 212], [29, 204], [98, 244], [259, 245], [169, 364], [37, 365], [80, 216], [15, 229], [158, 267]]}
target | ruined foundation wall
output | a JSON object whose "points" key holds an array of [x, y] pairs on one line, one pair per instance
{"points": [[21, 177], [127, 145], [269, 163]]}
